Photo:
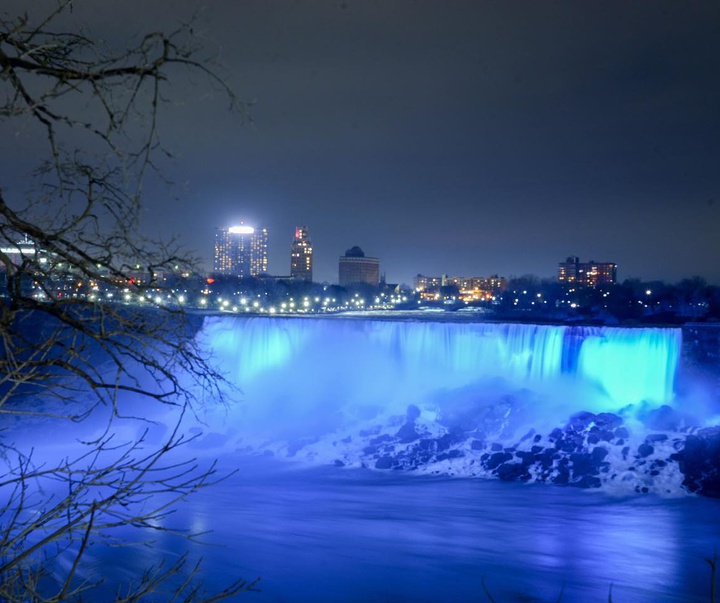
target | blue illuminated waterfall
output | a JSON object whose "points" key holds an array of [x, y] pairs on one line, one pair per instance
{"points": [[319, 372]]}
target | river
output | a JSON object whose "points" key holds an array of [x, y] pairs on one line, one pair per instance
{"points": [[336, 534]]}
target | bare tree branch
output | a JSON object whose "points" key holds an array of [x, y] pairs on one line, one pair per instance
{"points": [[90, 313]]}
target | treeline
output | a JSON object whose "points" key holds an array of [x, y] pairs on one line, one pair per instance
{"points": [[633, 300]]}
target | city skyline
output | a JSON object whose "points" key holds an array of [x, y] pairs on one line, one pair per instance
{"points": [[242, 250], [472, 138]]}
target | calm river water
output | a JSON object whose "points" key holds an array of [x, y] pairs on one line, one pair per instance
{"points": [[330, 534]]}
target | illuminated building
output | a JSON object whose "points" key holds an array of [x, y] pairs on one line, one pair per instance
{"points": [[470, 288], [240, 250], [422, 282], [588, 274], [354, 267], [22, 252], [301, 255]]}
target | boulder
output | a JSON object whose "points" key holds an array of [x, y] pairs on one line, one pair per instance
{"points": [[512, 472], [384, 462], [700, 462]]}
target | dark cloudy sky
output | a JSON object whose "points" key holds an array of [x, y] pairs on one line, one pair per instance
{"points": [[465, 138]]}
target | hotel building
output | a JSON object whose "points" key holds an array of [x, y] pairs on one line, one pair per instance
{"points": [[354, 267], [241, 250]]}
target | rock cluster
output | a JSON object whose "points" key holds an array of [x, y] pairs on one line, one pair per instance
{"points": [[590, 451]]}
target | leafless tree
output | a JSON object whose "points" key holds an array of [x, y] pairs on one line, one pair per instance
{"points": [[87, 317]]}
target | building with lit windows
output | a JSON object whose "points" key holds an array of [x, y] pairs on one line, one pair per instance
{"points": [[587, 274], [241, 250], [470, 288], [301, 255], [354, 267], [423, 283]]}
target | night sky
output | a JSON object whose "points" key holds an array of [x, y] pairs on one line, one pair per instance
{"points": [[464, 138]]}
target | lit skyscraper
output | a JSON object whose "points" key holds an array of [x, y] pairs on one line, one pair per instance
{"points": [[301, 255], [241, 250]]}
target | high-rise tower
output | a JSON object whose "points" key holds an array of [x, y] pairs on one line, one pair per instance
{"points": [[301, 255], [241, 250]]}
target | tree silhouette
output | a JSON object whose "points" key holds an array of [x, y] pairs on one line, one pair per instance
{"points": [[86, 320]]}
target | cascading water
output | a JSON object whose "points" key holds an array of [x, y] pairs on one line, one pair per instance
{"points": [[292, 370], [569, 405]]}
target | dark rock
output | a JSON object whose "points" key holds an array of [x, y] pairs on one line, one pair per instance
{"points": [[527, 458], [656, 437], [608, 420], [452, 454], [620, 442], [573, 443], [384, 462], [593, 439], [581, 420], [407, 433], [497, 459], [700, 462], [547, 458], [587, 481], [645, 450], [370, 450], [511, 472], [445, 441], [598, 454], [606, 435], [555, 434], [338, 463], [537, 438], [536, 449], [621, 432], [562, 479], [477, 445], [583, 464], [413, 412], [625, 451], [496, 447]]}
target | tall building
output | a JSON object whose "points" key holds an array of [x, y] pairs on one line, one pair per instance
{"points": [[241, 250], [354, 267], [588, 274], [301, 255]]}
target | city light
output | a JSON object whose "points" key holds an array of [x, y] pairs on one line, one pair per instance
{"points": [[241, 230]]}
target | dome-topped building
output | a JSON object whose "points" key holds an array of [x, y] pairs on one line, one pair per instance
{"points": [[355, 267]]}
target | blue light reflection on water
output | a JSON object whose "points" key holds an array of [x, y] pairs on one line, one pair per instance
{"points": [[328, 534]]}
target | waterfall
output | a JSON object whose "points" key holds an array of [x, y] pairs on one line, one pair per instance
{"points": [[319, 372]]}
